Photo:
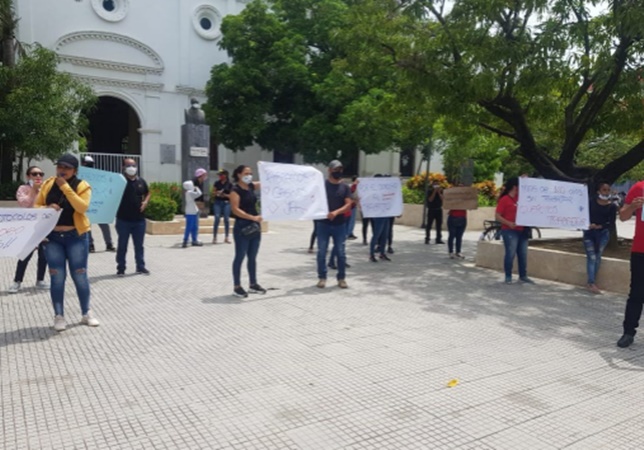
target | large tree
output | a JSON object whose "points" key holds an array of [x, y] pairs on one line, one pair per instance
{"points": [[288, 87], [556, 78]]}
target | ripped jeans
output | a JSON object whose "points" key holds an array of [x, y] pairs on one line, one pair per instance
{"points": [[595, 242], [68, 248]]}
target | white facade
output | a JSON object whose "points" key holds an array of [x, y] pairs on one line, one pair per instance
{"points": [[153, 55]]}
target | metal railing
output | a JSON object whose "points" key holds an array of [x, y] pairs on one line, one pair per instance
{"points": [[112, 162]]}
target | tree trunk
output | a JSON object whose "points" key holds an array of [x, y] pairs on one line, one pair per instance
{"points": [[6, 164]]}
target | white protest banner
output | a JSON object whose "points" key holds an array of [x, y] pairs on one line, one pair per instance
{"points": [[292, 192], [380, 197], [554, 204], [22, 229], [107, 191], [461, 198]]}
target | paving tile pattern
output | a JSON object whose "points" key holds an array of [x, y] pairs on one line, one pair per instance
{"points": [[178, 363]]}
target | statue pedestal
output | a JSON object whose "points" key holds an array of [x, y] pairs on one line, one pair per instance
{"points": [[195, 153]]}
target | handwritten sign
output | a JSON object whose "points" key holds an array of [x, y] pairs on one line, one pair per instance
{"points": [[22, 229], [555, 204], [461, 198], [380, 197], [292, 192], [107, 190]]}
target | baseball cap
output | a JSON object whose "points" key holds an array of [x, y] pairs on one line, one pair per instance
{"points": [[68, 160], [200, 171], [335, 164]]}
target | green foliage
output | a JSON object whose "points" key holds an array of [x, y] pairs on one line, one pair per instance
{"points": [[40, 107], [161, 208], [172, 191], [486, 201], [8, 190], [413, 196]]}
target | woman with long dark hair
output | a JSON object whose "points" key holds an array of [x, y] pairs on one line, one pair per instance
{"points": [[247, 229], [515, 237]]}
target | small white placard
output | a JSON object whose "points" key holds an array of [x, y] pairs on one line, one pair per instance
{"points": [[200, 152]]}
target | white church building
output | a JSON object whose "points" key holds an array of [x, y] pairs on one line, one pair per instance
{"points": [[145, 59]]}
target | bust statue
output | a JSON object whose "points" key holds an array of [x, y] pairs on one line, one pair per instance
{"points": [[194, 114]]}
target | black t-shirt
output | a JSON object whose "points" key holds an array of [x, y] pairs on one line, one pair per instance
{"points": [[437, 203], [226, 186], [198, 184], [335, 197], [130, 208], [55, 195], [603, 215], [247, 199]]}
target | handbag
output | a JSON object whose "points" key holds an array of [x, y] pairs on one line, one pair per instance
{"points": [[251, 230]]}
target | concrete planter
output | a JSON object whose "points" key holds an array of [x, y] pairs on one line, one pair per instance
{"points": [[177, 226], [413, 216], [569, 268]]}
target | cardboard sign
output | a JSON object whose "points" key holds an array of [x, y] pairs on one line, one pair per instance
{"points": [[107, 191], [461, 198], [292, 192], [380, 197], [554, 204], [22, 229]]}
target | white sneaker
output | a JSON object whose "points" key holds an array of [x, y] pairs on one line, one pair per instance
{"points": [[14, 288], [89, 320], [59, 323], [42, 285]]}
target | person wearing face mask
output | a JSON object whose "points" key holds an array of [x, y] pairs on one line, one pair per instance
{"points": [[68, 243], [338, 196], [435, 213], [246, 231], [130, 218], [26, 196], [603, 214], [221, 207]]}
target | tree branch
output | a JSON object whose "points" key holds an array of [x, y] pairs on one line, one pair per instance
{"points": [[498, 131], [614, 169]]}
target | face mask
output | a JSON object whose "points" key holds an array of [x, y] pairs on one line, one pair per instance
{"points": [[336, 175], [248, 179], [604, 197], [31, 182], [131, 171]]}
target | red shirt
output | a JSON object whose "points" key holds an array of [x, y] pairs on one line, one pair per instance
{"points": [[458, 213], [638, 240], [507, 208]]}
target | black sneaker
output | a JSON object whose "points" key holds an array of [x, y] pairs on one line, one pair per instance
{"points": [[347, 265], [384, 257], [625, 341], [240, 292], [352, 237], [120, 273], [256, 289], [365, 243], [426, 241], [185, 244], [332, 266], [91, 248], [390, 250], [197, 244], [440, 242], [110, 248], [373, 259], [143, 271]]}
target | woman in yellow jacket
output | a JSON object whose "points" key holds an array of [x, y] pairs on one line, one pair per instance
{"points": [[68, 243]]}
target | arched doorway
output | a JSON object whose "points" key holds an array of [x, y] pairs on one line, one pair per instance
{"points": [[113, 130]]}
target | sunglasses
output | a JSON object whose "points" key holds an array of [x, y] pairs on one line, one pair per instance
{"points": [[37, 174]]}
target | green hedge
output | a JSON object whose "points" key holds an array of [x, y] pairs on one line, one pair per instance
{"points": [[160, 208], [8, 190], [172, 191]]}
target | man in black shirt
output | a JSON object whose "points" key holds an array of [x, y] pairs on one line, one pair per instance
{"points": [[338, 197], [130, 218], [435, 213]]}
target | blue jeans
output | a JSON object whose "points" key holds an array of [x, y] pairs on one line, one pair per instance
{"points": [[325, 232], [456, 227], [125, 229], [516, 244], [352, 222], [220, 209], [595, 242], [192, 227], [380, 233], [245, 247], [68, 248], [334, 251]]}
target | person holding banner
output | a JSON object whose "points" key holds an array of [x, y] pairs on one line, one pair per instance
{"points": [[515, 237], [88, 161], [247, 230], [633, 206], [68, 243], [603, 214], [26, 196], [338, 196]]}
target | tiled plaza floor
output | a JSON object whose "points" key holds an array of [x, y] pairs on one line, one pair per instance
{"points": [[178, 363]]}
